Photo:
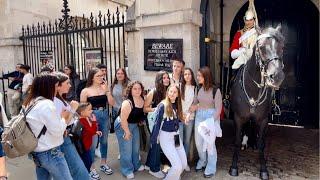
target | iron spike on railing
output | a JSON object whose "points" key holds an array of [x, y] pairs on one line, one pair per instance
{"points": [[122, 17], [22, 31], [44, 27], [71, 23], [76, 22], [104, 19], [112, 18], [117, 13], [39, 28], [28, 30], [33, 27], [91, 19], [96, 21], [50, 27], [100, 16], [108, 15], [56, 25], [84, 21]]}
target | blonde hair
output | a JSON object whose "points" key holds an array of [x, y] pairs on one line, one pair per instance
{"points": [[168, 109]]}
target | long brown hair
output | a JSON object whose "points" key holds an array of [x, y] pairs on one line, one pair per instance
{"points": [[44, 84], [61, 78], [125, 81], [183, 82], [161, 89], [207, 76], [129, 90], [91, 74], [168, 109]]}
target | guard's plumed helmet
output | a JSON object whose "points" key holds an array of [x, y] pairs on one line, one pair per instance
{"points": [[249, 15]]}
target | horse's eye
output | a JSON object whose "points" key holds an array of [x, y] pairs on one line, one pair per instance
{"points": [[263, 48]]}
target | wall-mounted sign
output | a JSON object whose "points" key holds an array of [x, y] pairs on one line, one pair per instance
{"points": [[158, 53], [46, 59], [92, 56]]}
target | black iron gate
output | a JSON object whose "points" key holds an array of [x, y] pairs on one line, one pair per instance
{"points": [[79, 41]]}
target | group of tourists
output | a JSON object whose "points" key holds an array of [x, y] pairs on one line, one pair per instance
{"points": [[173, 110]]}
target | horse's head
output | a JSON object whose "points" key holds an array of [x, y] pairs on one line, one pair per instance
{"points": [[269, 52]]}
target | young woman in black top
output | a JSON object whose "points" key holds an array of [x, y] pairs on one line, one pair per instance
{"points": [[97, 92], [127, 131]]}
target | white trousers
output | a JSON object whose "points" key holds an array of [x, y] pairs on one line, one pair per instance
{"points": [[176, 155]]}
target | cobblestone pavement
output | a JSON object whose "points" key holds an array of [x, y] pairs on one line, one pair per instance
{"points": [[291, 154]]}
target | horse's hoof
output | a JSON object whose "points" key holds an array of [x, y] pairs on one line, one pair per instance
{"points": [[264, 175], [233, 171]]}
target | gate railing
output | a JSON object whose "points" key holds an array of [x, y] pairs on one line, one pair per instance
{"points": [[69, 39]]}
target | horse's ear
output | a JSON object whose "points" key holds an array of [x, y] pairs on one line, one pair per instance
{"points": [[279, 27]]}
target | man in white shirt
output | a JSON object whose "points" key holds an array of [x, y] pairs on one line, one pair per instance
{"points": [[26, 81], [177, 70]]}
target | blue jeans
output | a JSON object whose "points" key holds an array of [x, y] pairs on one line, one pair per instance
{"points": [[93, 147], [51, 163], [76, 166], [129, 150], [186, 134], [115, 112], [204, 157], [104, 126]]}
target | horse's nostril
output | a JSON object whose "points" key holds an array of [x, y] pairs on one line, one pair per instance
{"points": [[271, 76]]}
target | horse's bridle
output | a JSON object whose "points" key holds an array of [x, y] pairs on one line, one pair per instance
{"points": [[262, 64], [258, 53]]}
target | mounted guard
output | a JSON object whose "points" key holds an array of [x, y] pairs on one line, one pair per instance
{"points": [[245, 39]]}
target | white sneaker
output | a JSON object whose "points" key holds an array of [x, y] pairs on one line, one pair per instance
{"points": [[141, 168], [158, 174], [94, 175], [166, 168], [130, 176], [119, 157], [146, 168], [106, 169]]}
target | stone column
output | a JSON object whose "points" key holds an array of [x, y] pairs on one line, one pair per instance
{"points": [[179, 19]]}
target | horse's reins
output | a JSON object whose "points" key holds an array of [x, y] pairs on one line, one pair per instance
{"points": [[264, 93]]}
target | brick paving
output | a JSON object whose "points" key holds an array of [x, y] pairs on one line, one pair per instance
{"points": [[291, 154]]}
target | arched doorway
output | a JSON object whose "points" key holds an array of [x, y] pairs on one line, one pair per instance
{"points": [[299, 94]]}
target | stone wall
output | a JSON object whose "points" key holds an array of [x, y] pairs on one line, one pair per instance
{"points": [[158, 19]]}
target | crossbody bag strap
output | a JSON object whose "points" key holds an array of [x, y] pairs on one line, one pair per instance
{"points": [[25, 112]]}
